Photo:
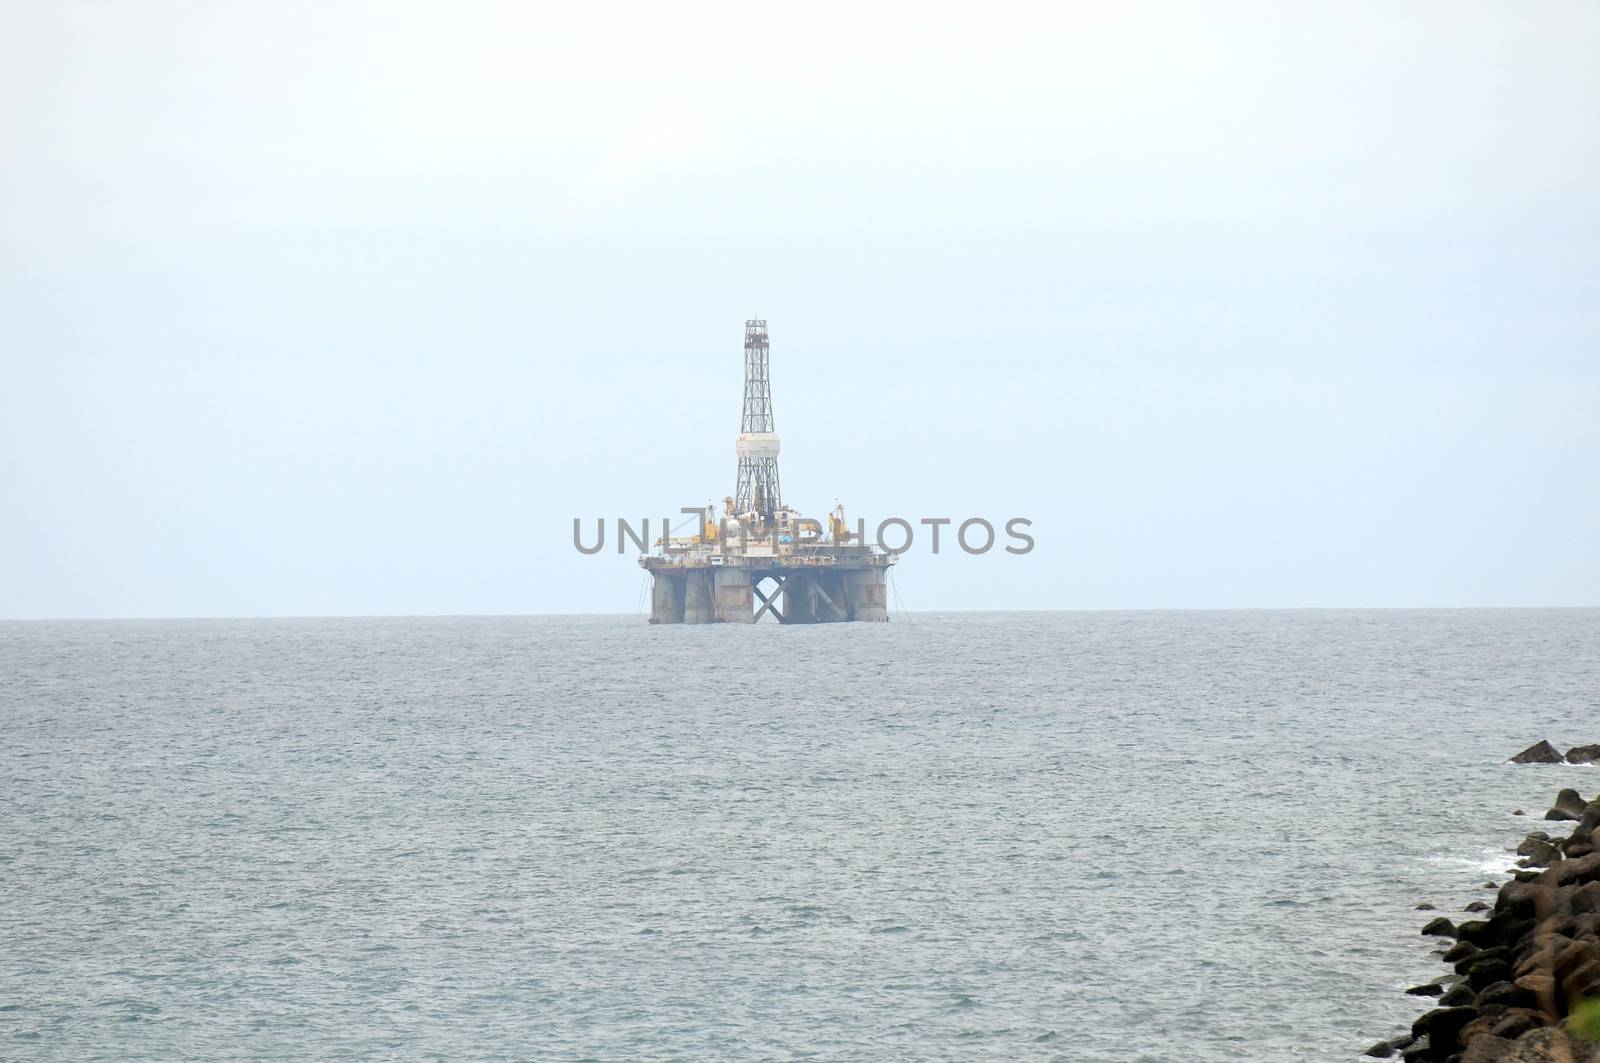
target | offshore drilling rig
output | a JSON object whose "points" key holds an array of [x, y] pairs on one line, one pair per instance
{"points": [[760, 549]]}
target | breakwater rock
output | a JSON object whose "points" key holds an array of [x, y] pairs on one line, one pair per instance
{"points": [[1542, 752], [1525, 981]]}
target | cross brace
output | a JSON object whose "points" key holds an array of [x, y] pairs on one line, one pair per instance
{"points": [[767, 603]]}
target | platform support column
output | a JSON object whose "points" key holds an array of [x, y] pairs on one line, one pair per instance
{"points": [[666, 597], [735, 604], [867, 593]]}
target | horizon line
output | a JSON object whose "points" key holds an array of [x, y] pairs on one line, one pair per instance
{"points": [[904, 612]]}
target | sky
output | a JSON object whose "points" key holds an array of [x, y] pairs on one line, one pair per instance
{"points": [[351, 308]]}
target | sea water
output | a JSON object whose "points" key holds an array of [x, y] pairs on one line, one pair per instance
{"points": [[1171, 836]]}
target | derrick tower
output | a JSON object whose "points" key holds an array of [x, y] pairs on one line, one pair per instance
{"points": [[757, 445]]}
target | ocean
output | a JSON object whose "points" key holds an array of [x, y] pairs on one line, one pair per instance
{"points": [[1168, 837]]}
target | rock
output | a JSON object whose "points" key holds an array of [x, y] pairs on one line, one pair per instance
{"points": [[1538, 853], [1460, 951], [1516, 930], [1498, 952], [1491, 885], [1381, 1050], [1487, 1049], [1541, 752], [1516, 1022], [1440, 927], [1535, 958], [1501, 928], [1569, 872], [1476, 906], [1487, 1013], [1535, 990], [1501, 992], [1574, 954], [1568, 806], [1487, 972], [1425, 907], [1441, 1025], [1582, 983], [1480, 1027], [1547, 1045], [1428, 989], [1417, 1052], [1459, 994], [1586, 898], [1519, 812], [1583, 754]]}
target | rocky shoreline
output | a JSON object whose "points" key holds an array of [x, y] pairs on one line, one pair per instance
{"points": [[1525, 980]]}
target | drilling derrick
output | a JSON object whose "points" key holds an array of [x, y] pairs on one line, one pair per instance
{"points": [[758, 490], [762, 550]]}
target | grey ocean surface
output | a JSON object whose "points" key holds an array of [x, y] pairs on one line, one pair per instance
{"points": [[1183, 837]]}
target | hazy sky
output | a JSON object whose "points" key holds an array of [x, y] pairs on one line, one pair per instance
{"points": [[351, 308]]}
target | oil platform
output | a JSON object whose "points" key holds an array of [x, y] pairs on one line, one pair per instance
{"points": [[760, 550]]}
